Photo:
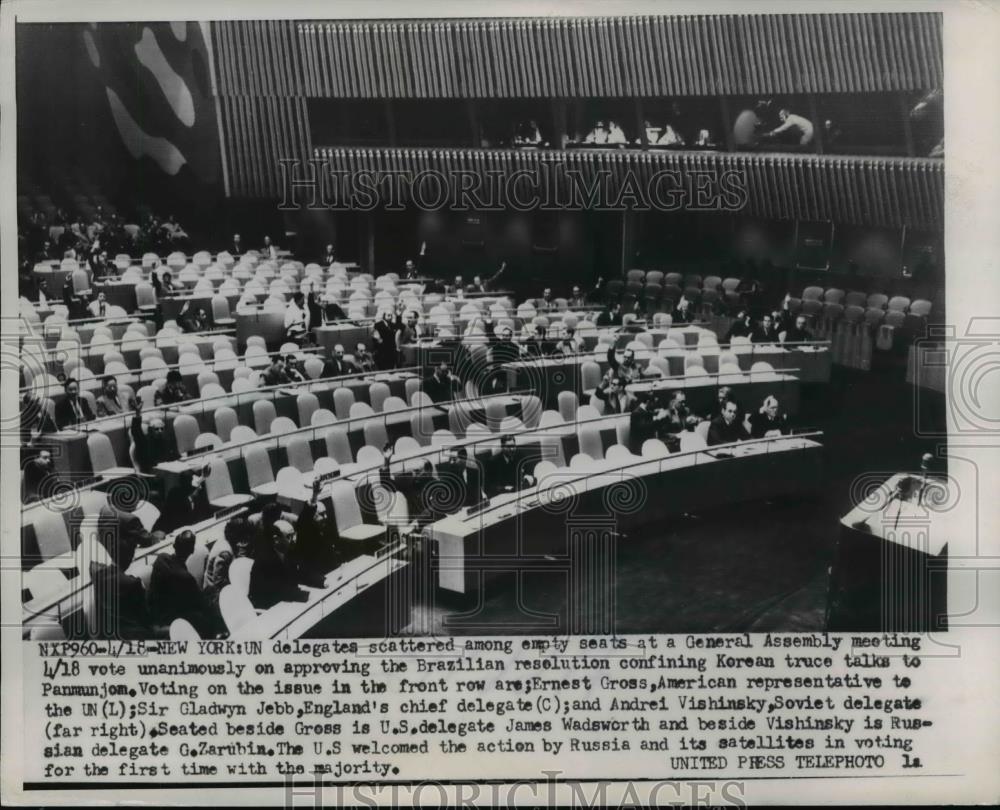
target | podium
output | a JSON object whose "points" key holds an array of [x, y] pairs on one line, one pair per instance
{"points": [[891, 564]]}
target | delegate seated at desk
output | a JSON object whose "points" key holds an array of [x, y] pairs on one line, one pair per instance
{"points": [[274, 575], [769, 421], [507, 471], [72, 410], [463, 480], [726, 428], [441, 385], [337, 365], [614, 396], [174, 593], [646, 423]]}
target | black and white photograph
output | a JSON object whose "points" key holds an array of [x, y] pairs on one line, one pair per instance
{"points": [[582, 321]]}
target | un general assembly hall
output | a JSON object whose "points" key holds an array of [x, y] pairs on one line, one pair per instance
{"points": [[411, 327]]}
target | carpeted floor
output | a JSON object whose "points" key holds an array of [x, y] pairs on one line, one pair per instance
{"points": [[752, 567]]}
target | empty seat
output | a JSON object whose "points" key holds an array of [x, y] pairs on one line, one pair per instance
{"points": [[219, 487], [812, 294], [102, 456], [263, 415], [899, 303], [878, 300], [347, 515], [186, 430], [306, 404], [299, 454], [282, 425], [207, 440], [260, 475]]}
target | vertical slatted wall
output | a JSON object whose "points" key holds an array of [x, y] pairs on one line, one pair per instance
{"points": [[267, 69]]}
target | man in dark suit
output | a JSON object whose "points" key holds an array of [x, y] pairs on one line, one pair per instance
{"points": [[741, 327], [677, 413], [72, 410], [726, 429], [612, 316], [798, 332], [462, 479], [173, 592], [614, 396], [236, 246], [770, 420], [119, 603], [185, 503], [273, 577], [627, 369], [330, 256], [337, 365], [152, 446], [723, 395], [508, 471], [766, 331], [644, 422], [441, 386], [384, 338]]}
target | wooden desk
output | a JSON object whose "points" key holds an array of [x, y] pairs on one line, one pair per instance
{"points": [[519, 529]]}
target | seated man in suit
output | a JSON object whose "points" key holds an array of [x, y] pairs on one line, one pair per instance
{"points": [[152, 445], [294, 369], [677, 413], [337, 365], [722, 396], [645, 422], [740, 327], [627, 369], [614, 396], [765, 332], [363, 359], [441, 386], [72, 410], [186, 503], [769, 421], [174, 593], [726, 429], [577, 300], [39, 477], [462, 481], [612, 315], [174, 391], [275, 373], [119, 599], [537, 345], [507, 471], [274, 575], [569, 343], [109, 403], [99, 307], [798, 333], [332, 311]]}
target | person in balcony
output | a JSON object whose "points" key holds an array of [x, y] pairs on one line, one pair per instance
{"points": [[616, 135], [598, 135], [795, 125]]}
